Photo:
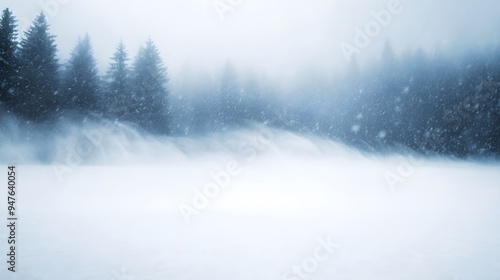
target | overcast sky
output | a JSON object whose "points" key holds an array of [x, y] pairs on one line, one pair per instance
{"points": [[275, 37]]}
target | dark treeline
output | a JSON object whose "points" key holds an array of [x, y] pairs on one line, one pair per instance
{"points": [[36, 88], [430, 103]]}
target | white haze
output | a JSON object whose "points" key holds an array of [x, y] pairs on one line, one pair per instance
{"points": [[117, 207], [117, 212], [279, 38]]}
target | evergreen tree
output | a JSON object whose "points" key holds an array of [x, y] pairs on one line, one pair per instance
{"points": [[8, 60], [149, 103], [38, 98], [388, 57], [81, 82], [391, 91], [229, 98], [118, 83]]}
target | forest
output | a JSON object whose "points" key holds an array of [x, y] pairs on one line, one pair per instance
{"points": [[433, 103]]}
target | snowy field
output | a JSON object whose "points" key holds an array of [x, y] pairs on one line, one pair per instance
{"points": [[285, 207]]}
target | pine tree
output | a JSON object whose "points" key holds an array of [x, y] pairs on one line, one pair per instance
{"points": [[8, 61], [229, 98], [38, 98], [388, 57], [389, 99], [118, 93], [81, 82], [149, 103]]}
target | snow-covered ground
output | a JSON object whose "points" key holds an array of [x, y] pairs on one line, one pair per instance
{"points": [[290, 207]]}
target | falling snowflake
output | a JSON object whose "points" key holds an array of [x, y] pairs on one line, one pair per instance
{"points": [[382, 134]]}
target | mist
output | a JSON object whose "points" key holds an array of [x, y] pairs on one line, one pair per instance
{"points": [[234, 139], [277, 38], [124, 214]]}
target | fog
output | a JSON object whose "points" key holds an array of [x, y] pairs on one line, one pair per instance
{"points": [[278, 38], [119, 214], [293, 140]]}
